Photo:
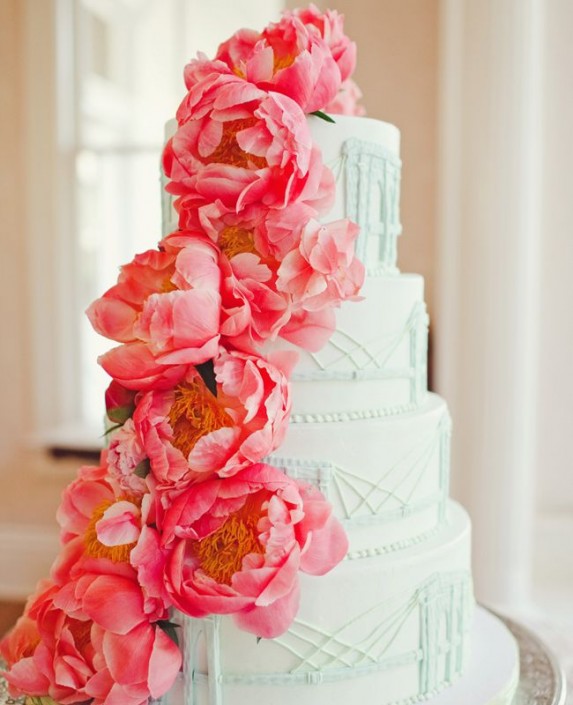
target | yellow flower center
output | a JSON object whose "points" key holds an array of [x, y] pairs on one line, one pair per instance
{"points": [[221, 553], [235, 240], [228, 150], [238, 71], [93, 546], [282, 62], [167, 285], [193, 414]]}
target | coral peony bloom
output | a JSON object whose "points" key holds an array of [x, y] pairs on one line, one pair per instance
{"points": [[91, 490], [324, 270], [189, 432], [165, 309], [303, 66], [72, 658], [347, 100], [252, 309], [21, 641], [330, 27], [241, 146], [287, 57], [238, 543], [104, 530], [310, 330], [119, 402], [268, 233], [126, 457]]}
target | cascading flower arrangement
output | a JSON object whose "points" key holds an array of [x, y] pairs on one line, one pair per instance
{"points": [[183, 511]]}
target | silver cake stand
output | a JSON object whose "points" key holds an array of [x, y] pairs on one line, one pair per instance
{"points": [[541, 680]]}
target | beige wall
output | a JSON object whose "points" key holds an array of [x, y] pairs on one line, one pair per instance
{"points": [[30, 481], [398, 73], [12, 243]]}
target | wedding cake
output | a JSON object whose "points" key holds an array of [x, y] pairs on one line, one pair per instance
{"points": [[395, 617], [271, 519]]}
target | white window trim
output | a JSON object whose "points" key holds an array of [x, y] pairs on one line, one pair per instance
{"points": [[49, 164], [51, 145]]}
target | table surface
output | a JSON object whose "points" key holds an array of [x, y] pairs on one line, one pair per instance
{"points": [[541, 681]]}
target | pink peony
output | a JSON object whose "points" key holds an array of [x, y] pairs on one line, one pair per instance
{"points": [[270, 234], [347, 100], [20, 642], [62, 652], [91, 490], [303, 66], [324, 270], [104, 531], [165, 309], [119, 402], [189, 432], [253, 244], [310, 330], [240, 145], [238, 543], [252, 309], [289, 58], [126, 457], [330, 27]]}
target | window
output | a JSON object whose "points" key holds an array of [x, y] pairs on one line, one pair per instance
{"points": [[119, 77]]}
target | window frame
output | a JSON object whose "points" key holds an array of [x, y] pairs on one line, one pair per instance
{"points": [[52, 143]]}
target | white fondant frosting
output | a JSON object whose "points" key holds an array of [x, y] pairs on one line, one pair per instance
{"points": [[492, 675], [394, 618], [387, 478], [364, 157], [375, 362], [396, 625]]}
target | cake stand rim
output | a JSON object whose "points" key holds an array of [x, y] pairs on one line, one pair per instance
{"points": [[533, 650]]}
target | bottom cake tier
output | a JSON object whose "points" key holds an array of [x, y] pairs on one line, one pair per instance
{"points": [[397, 625], [492, 675]]}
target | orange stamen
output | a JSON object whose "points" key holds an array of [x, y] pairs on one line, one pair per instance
{"points": [[235, 240], [282, 62], [221, 553], [228, 150], [193, 414], [167, 285], [96, 549]]}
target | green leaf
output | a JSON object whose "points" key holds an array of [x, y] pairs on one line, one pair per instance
{"points": [[207, 372], [111, 429], [323, 116], [120, 414], [170, 628], [40, 700], [143, 469]]}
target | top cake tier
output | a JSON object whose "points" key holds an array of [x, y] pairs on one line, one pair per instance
{"points": [[364, 156]]}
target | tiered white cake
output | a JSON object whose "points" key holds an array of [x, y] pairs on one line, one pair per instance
{"points": [[392, 623]]}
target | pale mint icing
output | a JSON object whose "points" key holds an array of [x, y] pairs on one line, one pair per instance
{"points": [[372, 183], [441, 605]]}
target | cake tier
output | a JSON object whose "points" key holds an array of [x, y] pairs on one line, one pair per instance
{"points": [[363, 155], [492, 675], [396, 625], [387, 478], [375, 362]]}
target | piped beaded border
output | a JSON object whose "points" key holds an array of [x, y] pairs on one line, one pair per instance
{"points": [[341, 416]]}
